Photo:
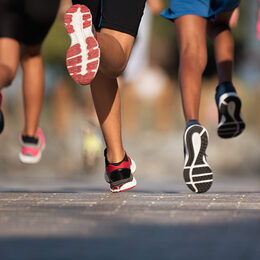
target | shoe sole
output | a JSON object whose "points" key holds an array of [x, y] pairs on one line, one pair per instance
{"points": [[126, 186], [83, 56], [231, 123], [2, 121], [28, 159], [197, 173]]}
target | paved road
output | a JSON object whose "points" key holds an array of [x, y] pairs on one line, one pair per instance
{"points": [[79, 219]]}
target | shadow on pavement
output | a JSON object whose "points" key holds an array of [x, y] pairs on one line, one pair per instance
{"points": [[236, 240]]}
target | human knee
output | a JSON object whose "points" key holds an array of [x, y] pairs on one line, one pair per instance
{"points": [[195, 52], [218, 27], [9, 74], [120, 69], [115, 69], [30, 51], [115, 51]]}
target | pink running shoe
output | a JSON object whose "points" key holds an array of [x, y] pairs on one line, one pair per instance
{"points": [[32, 148], [2, 122], [84, 54], [120, 175]]}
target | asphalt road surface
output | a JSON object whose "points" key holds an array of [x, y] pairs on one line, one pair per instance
{"points": [[78, 218]]}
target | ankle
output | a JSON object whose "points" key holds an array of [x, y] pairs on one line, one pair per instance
{"points": [[114, 156], [192, 122], [29, 139], [226, 86], [30, 134]]}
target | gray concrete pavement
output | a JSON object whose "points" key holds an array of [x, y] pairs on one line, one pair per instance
{"points": [[78, 218]]}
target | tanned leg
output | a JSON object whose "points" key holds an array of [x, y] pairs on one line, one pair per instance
{"points": [[115, 51], [9, 60], [33, 87], [191, 36]]}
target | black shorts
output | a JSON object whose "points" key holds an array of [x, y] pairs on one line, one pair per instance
{"points": [[120, 15], [27, 21]]}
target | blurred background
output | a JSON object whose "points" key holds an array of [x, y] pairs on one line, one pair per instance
{"points": [[153, 122]]}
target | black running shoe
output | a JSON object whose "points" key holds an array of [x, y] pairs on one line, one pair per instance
{"points": [[197, 173], [2, 121], [120, 175], [230, 122]]}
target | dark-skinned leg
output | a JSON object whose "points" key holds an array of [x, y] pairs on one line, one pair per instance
{"points": [[191, 35], [115, 51], [106, 97], [231, 123], [220, 34]]}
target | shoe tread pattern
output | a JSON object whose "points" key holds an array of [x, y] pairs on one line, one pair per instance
{"points": [[195, 167], [233, 125]]}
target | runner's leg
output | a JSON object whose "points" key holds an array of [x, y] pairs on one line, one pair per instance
{"points": [[191, 35], [33, 87], [9, 60], [105, 89], [220, 34]]}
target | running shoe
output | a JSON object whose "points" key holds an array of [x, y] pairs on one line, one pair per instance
{"points": [[32, 148], [84, 54], [197, 173], [230, 121], [2, 121], [120, 175]]}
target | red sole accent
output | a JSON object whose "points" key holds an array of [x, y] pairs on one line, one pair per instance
{"points": [[92, 65], [75, 61], [73, 51], [123, 190]]}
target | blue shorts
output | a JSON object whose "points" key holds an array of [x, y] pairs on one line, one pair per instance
{"points": [[208, 9]]}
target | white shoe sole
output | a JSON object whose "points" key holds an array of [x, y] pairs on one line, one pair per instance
{"points": [[84, 54], [127, 186], [28, 159], [197, 173], [231, 123]]}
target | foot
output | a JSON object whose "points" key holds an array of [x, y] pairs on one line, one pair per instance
{"points": [[120, 175], [230, 122], [32, 148], [197, 173], [83, 55], [2, 121]]}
